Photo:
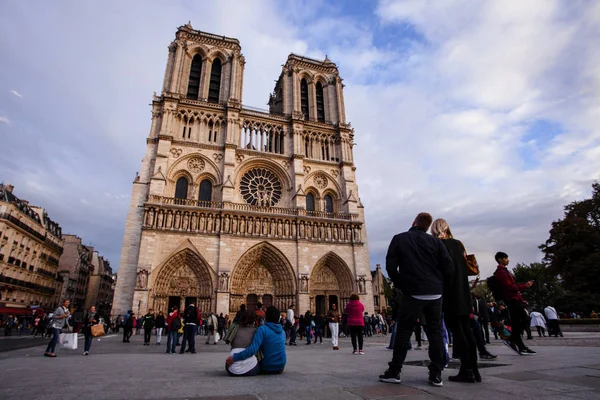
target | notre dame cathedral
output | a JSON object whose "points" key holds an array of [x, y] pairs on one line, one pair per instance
{"points": [[236, 205]]}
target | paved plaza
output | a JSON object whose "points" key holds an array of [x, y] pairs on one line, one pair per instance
{"points": [[567, 368]]}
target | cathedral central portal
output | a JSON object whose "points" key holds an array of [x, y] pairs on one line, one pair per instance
{"points": [[262, 275]]}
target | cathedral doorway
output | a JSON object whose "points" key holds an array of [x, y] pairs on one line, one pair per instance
{"points": [[330, 283], [262, 274], [183, 279]]}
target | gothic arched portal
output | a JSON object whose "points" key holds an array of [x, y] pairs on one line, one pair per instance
{"points": [[262, 274], [331, 282], [182, 279]]}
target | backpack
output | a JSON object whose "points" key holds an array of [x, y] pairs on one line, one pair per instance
{"points": [[367, 320], [494, 288], [175, 324]]}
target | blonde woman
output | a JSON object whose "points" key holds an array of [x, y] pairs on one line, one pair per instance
{"points": [[457, 305]]}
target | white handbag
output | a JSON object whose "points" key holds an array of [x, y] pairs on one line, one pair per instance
{"points": [[68, 341]]}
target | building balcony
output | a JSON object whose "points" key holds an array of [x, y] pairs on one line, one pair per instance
{"points": [[26, 285], [248, 208], [224, 218]]}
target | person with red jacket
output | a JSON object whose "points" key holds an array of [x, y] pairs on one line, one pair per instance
{"points": [[173, 326], [355, 310], [511, 293]]}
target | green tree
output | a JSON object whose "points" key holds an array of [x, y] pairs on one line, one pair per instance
{"points": [[573, 252], [547, 289], [481, 289]]}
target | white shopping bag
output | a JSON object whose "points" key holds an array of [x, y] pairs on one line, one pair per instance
{"points": [[68, 341], [217, 337]]}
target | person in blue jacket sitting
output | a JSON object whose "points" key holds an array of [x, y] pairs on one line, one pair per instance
{"points": [[270, 338]]}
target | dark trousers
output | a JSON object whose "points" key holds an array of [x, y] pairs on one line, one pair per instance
{"points": [[418, 333], [88, 341], [541, 331], [554, 328], [518, 320], [356, 335], [55, 338], [189, 335], [127, 332], [409, 313], [147, 334], [293, 334], [464, 341], [478, 336], [485, 326], [318, 333]]}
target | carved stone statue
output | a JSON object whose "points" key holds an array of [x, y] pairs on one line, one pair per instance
{"points": [[242, 226], [304, 284], [169, 220], [142, 279], [257, 226], [335, 232], [201, 226], [328, 232], [217, 224], [234, 226], [224, 282], [302, 230], [265, 228], [321, 231], [286, 229], [294, 229], [209, 223], [279, 228], [160, 219], [186, 221], [361, 285], [194, 222], [226, 224], [250, 226]]}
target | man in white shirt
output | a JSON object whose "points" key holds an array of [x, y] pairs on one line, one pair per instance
{"points": [[291, 322], [552, 317]]}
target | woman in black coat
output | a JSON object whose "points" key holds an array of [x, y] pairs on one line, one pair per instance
{"points": [[91, 318], [457, 305]]}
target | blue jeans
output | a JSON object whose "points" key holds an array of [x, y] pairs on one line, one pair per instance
{"points": [[55, 338], [308, 337], [172, 339], [393, 338], [318, 334], [88, 341]]}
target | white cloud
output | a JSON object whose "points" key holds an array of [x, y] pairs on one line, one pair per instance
{"points": [[4, 118], [16, 93]]}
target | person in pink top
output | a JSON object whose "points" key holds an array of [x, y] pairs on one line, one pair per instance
{"points": [[355, 310]]}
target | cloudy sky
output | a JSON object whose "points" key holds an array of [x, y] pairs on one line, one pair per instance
{"points": [[484, 113]]}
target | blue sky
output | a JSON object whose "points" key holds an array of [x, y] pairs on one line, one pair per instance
{"points": [[484, 113]]}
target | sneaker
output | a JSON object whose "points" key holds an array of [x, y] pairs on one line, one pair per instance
{"points": [[435, 378], [85, 353], [488, 356], [419, 348], [336, 348], [390, 377], [511, 345], [355, 352], [362, 353], [527, 352]]}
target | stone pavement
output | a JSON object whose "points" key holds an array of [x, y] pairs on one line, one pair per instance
{"points": [[115, 370]]}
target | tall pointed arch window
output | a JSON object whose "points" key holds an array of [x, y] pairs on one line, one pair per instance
{"points": [[328, 203], [194, 81], [310, 202], [215, 81], [181, 188], [205, 190], [320, 103], [304, 98]]}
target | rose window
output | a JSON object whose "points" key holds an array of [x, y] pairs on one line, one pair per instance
{"points": [[260, 187]]}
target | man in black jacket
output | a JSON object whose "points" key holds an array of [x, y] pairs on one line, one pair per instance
{"points": [[418, 264]]}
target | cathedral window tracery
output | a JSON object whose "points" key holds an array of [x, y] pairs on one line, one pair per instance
{"points": [[310, 202], [194, 81], [205, 190], [260, 187], [304, 99], [215, 81], [320, 102], [181, 188]]}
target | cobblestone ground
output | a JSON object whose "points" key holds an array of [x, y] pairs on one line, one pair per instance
{"points": [[565, 368]]}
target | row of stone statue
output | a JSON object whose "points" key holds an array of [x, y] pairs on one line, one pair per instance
{"points": [[250, 226]]}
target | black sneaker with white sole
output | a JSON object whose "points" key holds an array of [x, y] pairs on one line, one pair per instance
{"points": [[527, 352], [435, 378], [390, 376]]}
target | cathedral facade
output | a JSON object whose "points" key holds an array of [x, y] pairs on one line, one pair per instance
{"points": [[236, 205]]}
